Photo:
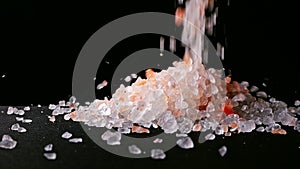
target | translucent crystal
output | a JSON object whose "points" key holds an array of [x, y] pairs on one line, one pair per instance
{"points": [[210, 136], [168, 123], [239, 97], [26, 121], [133, 149], [48, 147], [10, 110], [158, 154], [50, 156], [223, 151], [260, 129], [297, 103], [261, 94], [75, 140], [254, 89], [20, 112], [15, 127], [22, 130], [127, 79], [7, 142], [27, 108], [111, 138], [185, 143], [246, 126], [158, 140], [52, 107], [19, 118], [66, 135]]}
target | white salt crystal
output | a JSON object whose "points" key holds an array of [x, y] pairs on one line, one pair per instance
{"points": [[7, 142], [67, 117], [172, 44], [10, 110], [15, 127], [3, 76], [260, 129], [26, 121], [22, 130], [223, 151], [134, 76], [19, 118], [162, 44], [102, 84], [52, 107], [27, 108], [20, 112], [261, 94], [66, 135], [127, 79], [39, 105], [50, 156], [158, 140], [210, 136], [185, 143], [297, 103], [133, 149], [158, 154], [51, 118], [254, 89], [75, 140], [62, 103], [181, 135], [48, 147], [111, 138]]}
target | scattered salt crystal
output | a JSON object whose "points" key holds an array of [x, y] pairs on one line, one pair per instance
{"points": [[261, 94], [244, 84], [254, 89], [22, 130], [134, 76], [10, 110], [87, 103], [260, 129], [172, 44], [51, 118], [239, 97], [124, 130], [19, 118], [158, 140], [223, 151], [158, 154], [185, 143], [27, 108], [264, 84], [181, 135], [75, 140], [66, 135], [62, 103], [3, 76], [127, 79], [228, 134], [20, 112], [48, 147], [133, 149], [15, 127], [7, 142], [210, 136], [111, 138], [102, 84], [39, 105], [72, 99], [67, 117], [26, 121], [297, 103], [50, 156], [52, 107], [162, 44]]}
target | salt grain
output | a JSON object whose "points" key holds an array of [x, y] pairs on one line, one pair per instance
{"points": [[158, 140], [210, 136], [185, 143], [127, 79], [27, 108], [75, 140], [7, 142], [66, 135], [133, 149], [48, 147], [158, 154], [10, 110], [50, 156], [223, 151], [297, 103]]}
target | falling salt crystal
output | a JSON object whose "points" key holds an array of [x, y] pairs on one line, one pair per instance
{"points": [[3, 76], [161, 44], [223, 151], [66, 135], [7, 142], [75, 140], [158, 140], [27, 108], [10, 110], [22, 130], [20, 112], [52, 107], [50, 156], [133, 149], [39, 105], [19, 118], [261, 94], [48, 147], [260, 129], [172, 44], [264, 84], [133, 75], [51, 118], [127, 79], [210, 136], [158, 154], [26, 121], [297, 103], [185, 143], [15, 127], [102, 84], [254, 89], [228, 134]]}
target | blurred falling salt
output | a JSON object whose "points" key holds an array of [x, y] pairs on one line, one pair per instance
{"points": [[172, 44], [22, 130], [39, 105], [223, 151], [7, 142], [50, 156], [48, 147], [158, 140], [161, 44], [3, 76], [102, 84], [20, 112], [210, 136], [127, 79], [158, 154], [19, 118], [15, 127], [261, 94], [297, 103], [27, 108], [133, 149], [185, 143], [254, 89], [75, 140], [66, 135], [26, 120]]}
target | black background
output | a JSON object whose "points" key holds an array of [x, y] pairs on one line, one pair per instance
{"points": [[40, 42]]}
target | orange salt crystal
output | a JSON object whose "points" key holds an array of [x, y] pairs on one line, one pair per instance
{"points": [[179, 14], [279, 131], [149, 73], [139, 129], [72, 115], [228, 79], [197, 127]]}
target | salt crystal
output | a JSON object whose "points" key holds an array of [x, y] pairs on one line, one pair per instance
{"points": [[19, 118], [161, 44], [27, 108], [133, 149], [20, 112], [223, 151], [3, 76], [210, 136], [10, 110], [264, 84], [254, 89], [22, 130], [297, 103], [75, 140], [39, 105], [102, 84], [158, 154], [15, 127], [219, 130], [62, 103], [48, 147], [244, 84], [26, 121], [185, 143], [67, 117], [52, 107], [261, 94], [66, 135], [72, 99], [124, 130], [87, 103], [172, 44], [246, 126], [228, 134], [239, 97], [7, 142], [111, 138], [158, 140], [127, 79], [50, 156], [260, 129], [181, 135], [51, 118], [134, 76]]}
